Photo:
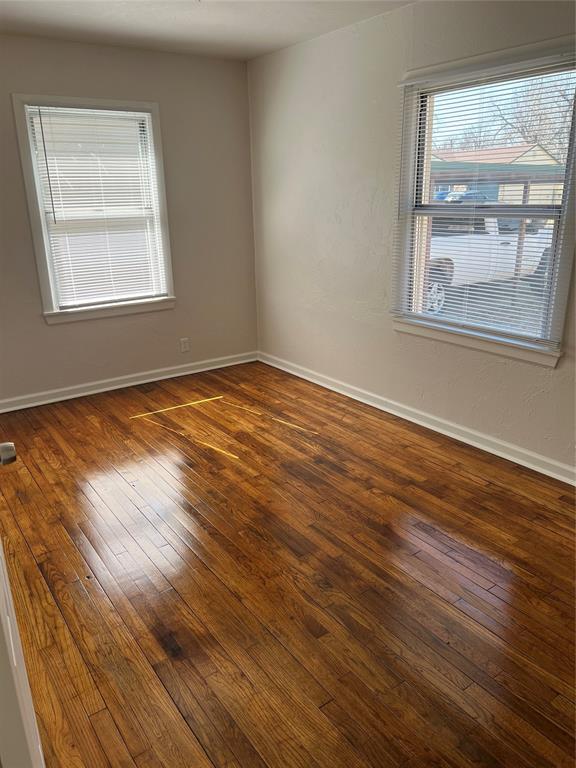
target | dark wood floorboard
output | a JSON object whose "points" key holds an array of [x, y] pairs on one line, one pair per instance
{"points": [[284, 577]]}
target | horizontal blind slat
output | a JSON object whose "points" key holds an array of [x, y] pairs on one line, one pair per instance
{"points": [[97, 188], [483, 181]]}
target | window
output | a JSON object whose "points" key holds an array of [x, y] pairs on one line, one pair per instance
{"points": [[97, 207], [485, 184]]}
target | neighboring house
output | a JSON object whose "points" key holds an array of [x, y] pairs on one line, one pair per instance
{"points": [[520, 153], [503, 174]]}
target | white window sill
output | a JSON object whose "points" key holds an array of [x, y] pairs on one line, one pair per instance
{"points": [[485, 343], [110, 310]]}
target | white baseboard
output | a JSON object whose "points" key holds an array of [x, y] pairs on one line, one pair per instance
{"points": [[104, 385], [493, 445], [515, 453]]}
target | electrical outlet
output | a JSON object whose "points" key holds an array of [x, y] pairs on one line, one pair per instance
{"points": [[185, 344]]}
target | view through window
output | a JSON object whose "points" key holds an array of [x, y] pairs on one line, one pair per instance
{"points": [[485, 205], [98, 193]]}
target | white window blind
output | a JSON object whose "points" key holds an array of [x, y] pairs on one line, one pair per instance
{"points": [[98, 195], [486, 171]]}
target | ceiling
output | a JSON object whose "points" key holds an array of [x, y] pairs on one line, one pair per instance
{"points": [[238, 29]]}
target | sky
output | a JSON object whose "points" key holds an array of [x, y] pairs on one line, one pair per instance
{"points": [[535, 100]]}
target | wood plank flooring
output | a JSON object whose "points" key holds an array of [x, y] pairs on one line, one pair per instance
{"points": [[283, 577]]}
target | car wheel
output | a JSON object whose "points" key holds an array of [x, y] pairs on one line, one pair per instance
{"points": [[435, 298]]}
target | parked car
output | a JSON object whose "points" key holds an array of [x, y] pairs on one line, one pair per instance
{"points": [[469, 196], [466, 252]]}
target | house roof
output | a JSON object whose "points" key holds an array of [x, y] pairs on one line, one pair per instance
{"points": [[465, 172], [488, 155]]}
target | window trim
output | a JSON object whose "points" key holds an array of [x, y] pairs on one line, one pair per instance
{"points": [[460, 71], [457, 75], [484, 342], [51, 312]]}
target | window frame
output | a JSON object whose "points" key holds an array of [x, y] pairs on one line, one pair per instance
{"points": [[412, 144], [51, 312]]}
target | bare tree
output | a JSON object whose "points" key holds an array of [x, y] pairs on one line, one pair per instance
{"points": [[478, 137], [475, 137], [538, 113]]}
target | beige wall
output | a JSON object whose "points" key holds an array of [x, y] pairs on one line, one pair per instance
{"points": [[204, 119], [325, 117]]}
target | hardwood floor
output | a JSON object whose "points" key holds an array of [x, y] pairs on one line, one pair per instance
{"points": [[283, 577]]}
